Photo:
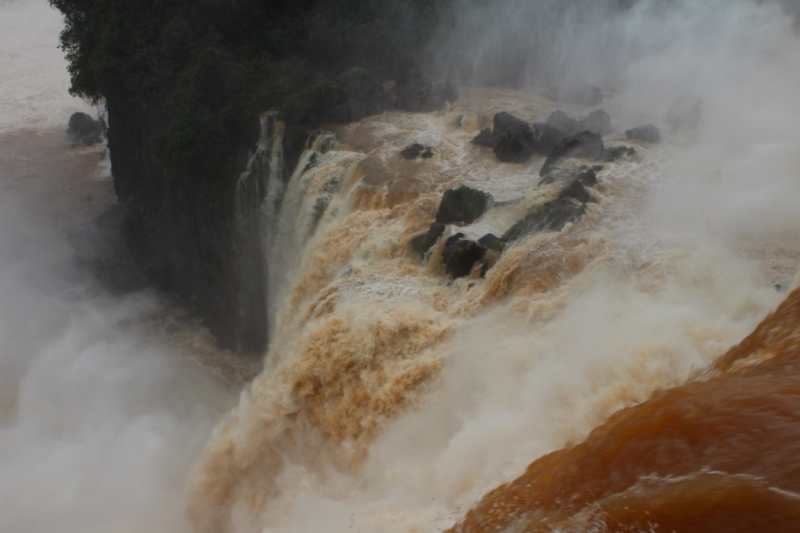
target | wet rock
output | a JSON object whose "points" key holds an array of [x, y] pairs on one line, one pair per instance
{"points": [[647, 133], [83, 129], [514, 148], [587, 177], [513, 139], [424, 241], [598, 122], [584, 145], [577, 93], [463, 205], [417, 150], [485, 138], [618, 152], [492, 242], [684, 114], [578, 192], [551, 216], [460, 255], [558, 127]]}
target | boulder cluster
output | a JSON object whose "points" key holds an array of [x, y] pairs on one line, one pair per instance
{"points": [[463, 205], [514, 140]]}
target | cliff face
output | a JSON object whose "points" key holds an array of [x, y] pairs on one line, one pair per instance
{"points": [[198, 238]]}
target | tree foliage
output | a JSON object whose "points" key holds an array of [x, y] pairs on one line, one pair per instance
{"points": [[200, 70]]}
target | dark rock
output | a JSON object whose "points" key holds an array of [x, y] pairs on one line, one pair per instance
{"points": [[551, 216], [684, 114], [598, 168], [558, 127], [618, 152], [427, 154], [648, 133], [598, 122], [492, 242], [584, 145], [463, 205], [83, 129], [485, 138], [589, 177], [414, 151], [513, 139], [566, 175], [578, 192], [577, 93], [415, 92], [460, 255], [424, 241], [514, 148]]}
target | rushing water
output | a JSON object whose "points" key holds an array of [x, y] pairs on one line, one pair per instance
{"points": [[586, 370]]}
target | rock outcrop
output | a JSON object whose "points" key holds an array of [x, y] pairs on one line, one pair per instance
{"points": [[585, 145], [423, 242], [417, 150], [647, 133], [598, 122], [463, 205], [83, 129], [551, 216], [460, 255], [512, 139]]}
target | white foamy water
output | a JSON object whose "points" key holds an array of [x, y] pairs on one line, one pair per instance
{"points": [[394, 398], [100, 417]]}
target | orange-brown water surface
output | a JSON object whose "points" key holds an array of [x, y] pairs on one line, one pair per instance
{"points": [[720, 453]]}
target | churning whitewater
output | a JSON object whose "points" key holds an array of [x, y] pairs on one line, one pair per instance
{"points": [[393, 397], [528, 395]]}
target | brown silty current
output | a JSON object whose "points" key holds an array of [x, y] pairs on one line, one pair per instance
{"points": [[366, 328], [720, 453]]}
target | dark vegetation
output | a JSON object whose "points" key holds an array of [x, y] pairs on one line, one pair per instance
{"points": [[184, 82]]}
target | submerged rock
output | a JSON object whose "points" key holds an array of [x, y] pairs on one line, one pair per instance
{"points": [[618, 152], [417, 150], [647, 133], [83, 129], [424, 241], [584, 145], [463, 205], [460, 255]]}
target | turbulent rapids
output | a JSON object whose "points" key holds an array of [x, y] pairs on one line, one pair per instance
{"points": [[394, 395], [466, 333]]}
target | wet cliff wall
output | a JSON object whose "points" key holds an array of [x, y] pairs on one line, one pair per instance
{"points": [[184, 84]]}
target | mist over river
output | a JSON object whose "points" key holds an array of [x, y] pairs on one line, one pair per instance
{"points": [[101, 413], [392, 397]]}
